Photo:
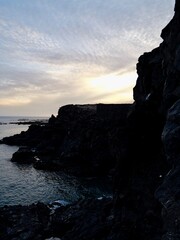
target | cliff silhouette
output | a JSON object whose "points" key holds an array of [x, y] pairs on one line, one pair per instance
{"points": [[136, 145]]}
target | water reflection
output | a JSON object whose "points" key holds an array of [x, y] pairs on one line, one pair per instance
{"points": [[22, 184]]}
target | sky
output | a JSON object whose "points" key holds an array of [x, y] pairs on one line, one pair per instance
{"points": [[58, 52]]}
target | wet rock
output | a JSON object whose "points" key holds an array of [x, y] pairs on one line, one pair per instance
{"points": [[85, 219], [24, 222], [23, 155]]}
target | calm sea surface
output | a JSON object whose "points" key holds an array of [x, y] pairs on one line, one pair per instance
{"points": [[22, 184]]}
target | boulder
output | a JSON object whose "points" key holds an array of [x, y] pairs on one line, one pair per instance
{"points": [[23, 155]]}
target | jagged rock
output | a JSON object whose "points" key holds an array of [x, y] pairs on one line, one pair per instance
{"points": [[171, 135], [169, 192], [85, 219], [23, 155], [89, 139], [82, 139], [30, 138], [24, 222], [158, 90]]}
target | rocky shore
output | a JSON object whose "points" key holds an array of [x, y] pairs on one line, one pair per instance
{"points": [[84, 219], [136, 144], [81, 139]]}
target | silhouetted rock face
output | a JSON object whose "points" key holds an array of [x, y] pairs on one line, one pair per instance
{"points": [[88, 139], [149, 85], [159, 70], [157, 92], [83, 139]]}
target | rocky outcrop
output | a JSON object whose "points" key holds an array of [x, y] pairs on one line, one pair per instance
{"points": [[82, 139], [24, 222], [169, 192], [138, 144], [23, 155], [159, 70], [157, 95], [85, 219]]}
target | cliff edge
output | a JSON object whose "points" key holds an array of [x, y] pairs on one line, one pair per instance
{"points": [[138, 144]]}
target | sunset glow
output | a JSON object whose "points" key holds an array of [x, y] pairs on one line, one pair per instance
{"points": [[54, 53], [113, 82]]}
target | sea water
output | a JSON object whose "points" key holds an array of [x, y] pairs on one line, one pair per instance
{"points": [[23, 184]]}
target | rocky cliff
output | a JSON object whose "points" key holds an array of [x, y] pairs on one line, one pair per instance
{"points": [[81, 139], [157, 101], [142, 143]]}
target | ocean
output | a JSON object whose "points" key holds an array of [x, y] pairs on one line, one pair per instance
{"points": [[23, 184]]}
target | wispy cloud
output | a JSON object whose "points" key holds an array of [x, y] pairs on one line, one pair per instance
{"points": [[51, 50]]}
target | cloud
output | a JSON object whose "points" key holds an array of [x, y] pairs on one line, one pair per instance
{"points": [[51, 50]]}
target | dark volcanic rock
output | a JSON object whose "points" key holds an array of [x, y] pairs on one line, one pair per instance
{"points": [[143, 142], [158, 90], [82, 139], [23, 155], [169, 192], [24, 222], [85, 219], [159, 70], [31, 137]]}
